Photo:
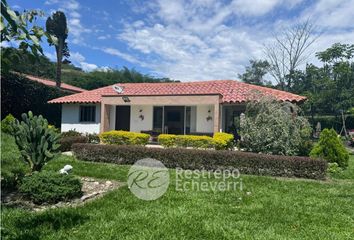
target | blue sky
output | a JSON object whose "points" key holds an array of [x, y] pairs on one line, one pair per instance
{"points": [[188, 40]]}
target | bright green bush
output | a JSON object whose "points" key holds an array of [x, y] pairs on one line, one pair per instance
{"points": [[13, 169], [167, 140], [223, 140], [273, 127], [331, 148], [124, 138], [36, 141], [7, 124], [50, 187], [219, 141]]}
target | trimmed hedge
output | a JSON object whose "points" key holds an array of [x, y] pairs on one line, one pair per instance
{"points": [[124, 138], [67, 142], [219, 141], [245, 162]]}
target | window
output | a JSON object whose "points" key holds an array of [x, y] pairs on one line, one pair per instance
{"points": [[87, 113], [157, 119]]}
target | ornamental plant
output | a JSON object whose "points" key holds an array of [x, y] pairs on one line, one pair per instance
{"points": [[331, 148], [273, 127], [37, 142], [7, 124]]}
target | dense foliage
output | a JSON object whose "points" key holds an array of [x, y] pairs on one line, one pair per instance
{"points": [[248, 163], [7, 124], [273, 127], [23, 61], [50, 187], [67, 142], [124, 138], [329, 88], [331, 148], [13, 169], [36, 141], [19, 95], [220, 141]]}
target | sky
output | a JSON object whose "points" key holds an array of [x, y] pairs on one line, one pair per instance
{"points": [[188, 40]]}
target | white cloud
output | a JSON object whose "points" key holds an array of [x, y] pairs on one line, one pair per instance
{"points": [[207, 39], [76, 57], [52, 56], [79, 60], [332, 13], [116, 52], [88, 67]]}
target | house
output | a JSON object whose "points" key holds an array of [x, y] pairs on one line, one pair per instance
{"points": [[200, 107], [66, 87]]}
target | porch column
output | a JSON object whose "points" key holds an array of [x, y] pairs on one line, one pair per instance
{"points": [[216, 118], [104, 117]]}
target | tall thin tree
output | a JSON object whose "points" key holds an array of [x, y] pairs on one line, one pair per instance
{"points": [[57, 26], [289, 50]]}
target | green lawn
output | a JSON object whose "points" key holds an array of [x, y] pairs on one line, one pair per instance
{"points": [[276, 208]]}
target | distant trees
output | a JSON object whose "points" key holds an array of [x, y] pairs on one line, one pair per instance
{"points": [[255, 72], [57, 26]]}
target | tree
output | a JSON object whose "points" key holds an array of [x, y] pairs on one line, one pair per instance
{"points": [[57, 26], [273, 127], [255, 72], [288, 51], [21, 28]]}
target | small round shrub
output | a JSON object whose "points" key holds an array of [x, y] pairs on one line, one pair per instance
{"points": [[7, 124], [50, 187], [331, 148], [71, 133]]}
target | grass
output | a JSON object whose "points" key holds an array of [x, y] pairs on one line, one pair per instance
{"points": [[267, 208]]}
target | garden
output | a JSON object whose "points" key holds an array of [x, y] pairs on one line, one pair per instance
{"points": [[293, 186]]}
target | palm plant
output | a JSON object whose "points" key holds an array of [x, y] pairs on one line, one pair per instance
{"points": [[57, 26]]}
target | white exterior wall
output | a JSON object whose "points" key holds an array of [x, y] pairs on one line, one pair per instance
{"points": [[136, 124], [70, 116], [202, 113]]}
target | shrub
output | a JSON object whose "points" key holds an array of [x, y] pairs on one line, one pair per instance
{"points": [[194, 141], [167, 140], [273, 127], [219, 141], [13, 168], [223, 140], [248, 163], [124, 138], [333, 168], [7, 124], [92, 138], [12, 172], [66, 142], [50, 187], [305, 148], [71, 133], [331, 148], [37, 143]]}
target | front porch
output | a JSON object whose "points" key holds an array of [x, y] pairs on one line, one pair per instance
{"points": [[196, 115]]}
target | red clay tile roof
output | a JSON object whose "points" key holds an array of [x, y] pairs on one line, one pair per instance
{"points": [[51, 83], [230, 90]]}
